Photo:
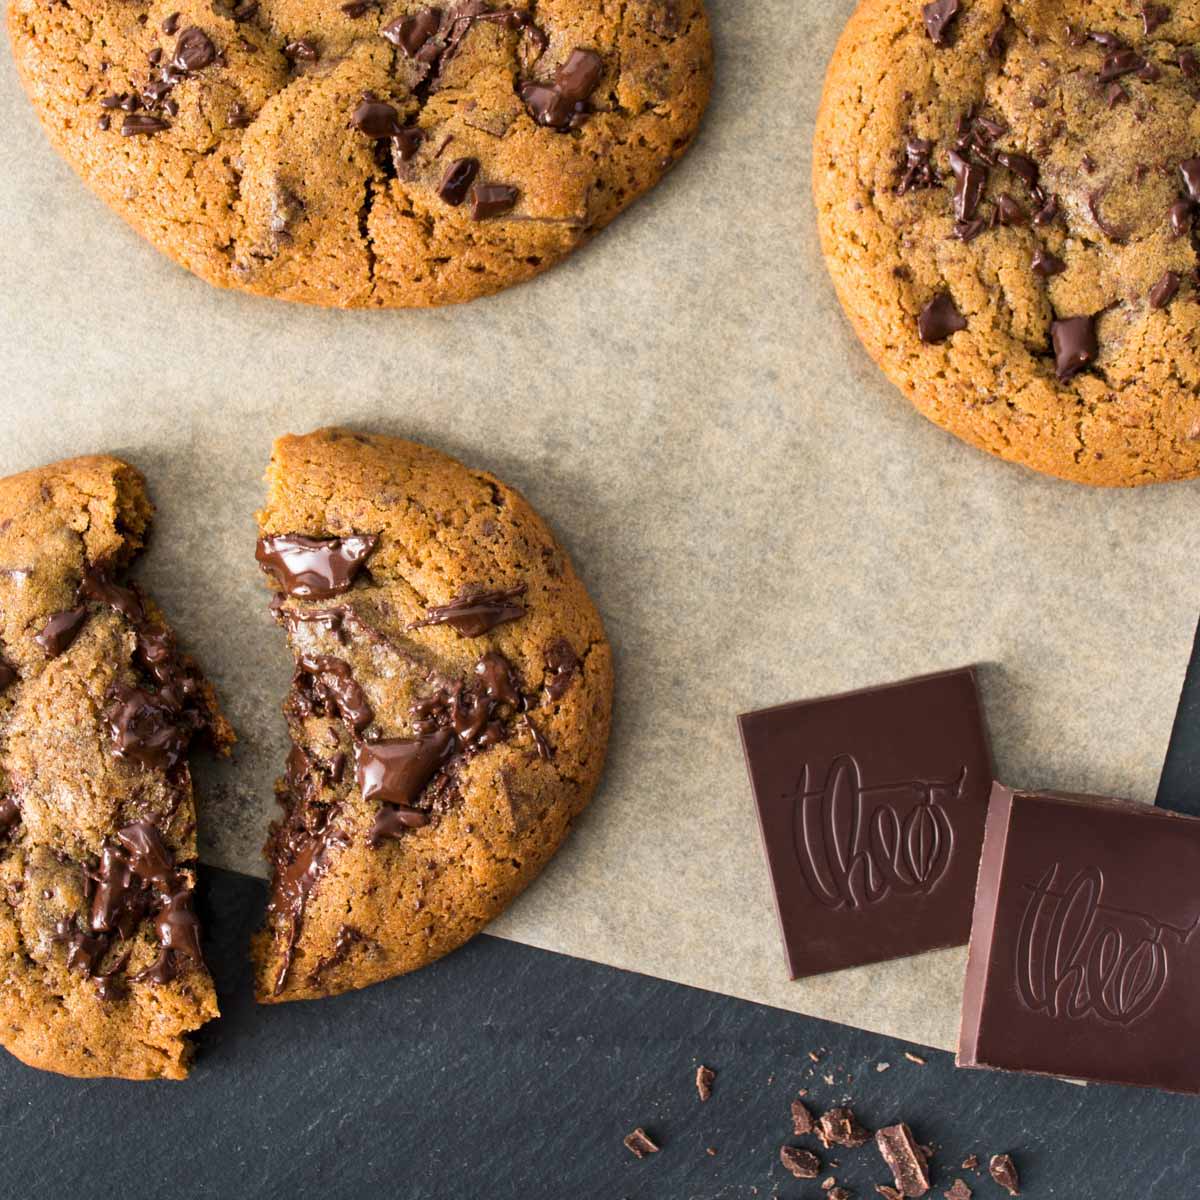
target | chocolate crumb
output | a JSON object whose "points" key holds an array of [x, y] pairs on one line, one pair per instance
{"points": [[915, 1058], [958, 1191], [802, 1119], [638, 1143], [839, 1193], [971, 1162], [888, 1193], [704, 1082], [1003, 1170], [905, 1158], [804, 1164]]}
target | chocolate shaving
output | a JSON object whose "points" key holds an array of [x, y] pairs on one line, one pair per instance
{"points": [[704, 1082], [937, 17], [1003, 1170], [638, 1143]]}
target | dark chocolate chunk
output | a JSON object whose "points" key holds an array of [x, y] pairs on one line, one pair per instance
{"points": [[315, 568], [1025, 168], [396, 770], [1189, 64], [1121, 62], [958, 1190], [193, 51], [1190, 170], [302, 50], [563, 104], [8, 675], [1085, 947], [1047, 212], [407, 142], [563, 666], [357, 8], [871, 807], [939, 319], [1165, 290], [802, 1119], [1004, 1172], [840, 1127], [638, 1143], [473, 615], [61, 630], [411, 34], [938, 15], [149, 858], [1154, 16], [804, 1164], [971, 183], [1075, 345], [376, 119], [704, 1082], [905, 1159], [10, 813], [142, 124], [1046, 264], [457, 179], [1181, 217], [1009, 211], [492, 199], [918, 166], [171, 24]]}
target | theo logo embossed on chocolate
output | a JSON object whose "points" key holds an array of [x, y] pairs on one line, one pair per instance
{"points": [[1078, 957], [858, 844], [871, 806]]}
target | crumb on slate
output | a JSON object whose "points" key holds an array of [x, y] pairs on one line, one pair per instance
{"points": [[639, 1144]]}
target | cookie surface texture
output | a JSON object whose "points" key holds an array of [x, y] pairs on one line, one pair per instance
{"points": [[102, 969], [449, 711], [376, 153], [1007, 195]]}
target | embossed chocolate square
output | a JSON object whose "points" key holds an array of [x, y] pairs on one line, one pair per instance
{"points": [[872, 806], [1085, 948]]}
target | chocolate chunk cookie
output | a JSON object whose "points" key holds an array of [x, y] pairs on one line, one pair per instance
{"points": [[99, 942], [1008, 198], [377, 153], [449, 711]]}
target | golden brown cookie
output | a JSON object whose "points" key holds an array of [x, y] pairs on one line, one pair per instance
{"points": [[1007, 194], [449, 712], [99, 944], [376, 153]]}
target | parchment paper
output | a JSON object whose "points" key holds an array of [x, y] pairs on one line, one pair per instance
{"points": [[758, 514]]}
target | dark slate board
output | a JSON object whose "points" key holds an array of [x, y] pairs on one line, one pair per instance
{"points": [[509, 1072]]}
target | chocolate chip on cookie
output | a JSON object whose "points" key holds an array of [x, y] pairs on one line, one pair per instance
{"points": [[449, 710], [97, 821]]}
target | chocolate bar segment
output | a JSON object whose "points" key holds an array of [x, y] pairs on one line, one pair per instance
{"points": [[1085, 948], [872, 806]]}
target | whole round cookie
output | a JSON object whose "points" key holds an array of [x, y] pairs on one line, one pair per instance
{"points": [[449, 712], [101, 969], [1007, 194], [374, 153]]}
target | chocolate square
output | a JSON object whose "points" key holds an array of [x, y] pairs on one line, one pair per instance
{"points": [[1085, 949], [872, 807]]}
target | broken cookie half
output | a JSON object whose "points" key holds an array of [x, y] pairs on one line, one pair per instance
{"points": [[449, 711], [99, 941]]}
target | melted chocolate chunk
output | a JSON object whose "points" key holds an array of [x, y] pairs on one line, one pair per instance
{"points": [[315, 568], [473, 615], [61, 630], [396, 770], [84, 950], [393, 821], [563, 104], [142, 124], [149, 858], [193, 51], [97, 586], [302, 50], [1075, 345], [147, 727], [494, 671], [333, 687], [457, 179], [1046, 264], [119, 900], [178, 927], [375, 119], [1165, 290], [492, 200], [939, 319], [412, 34], [938, 17]]}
